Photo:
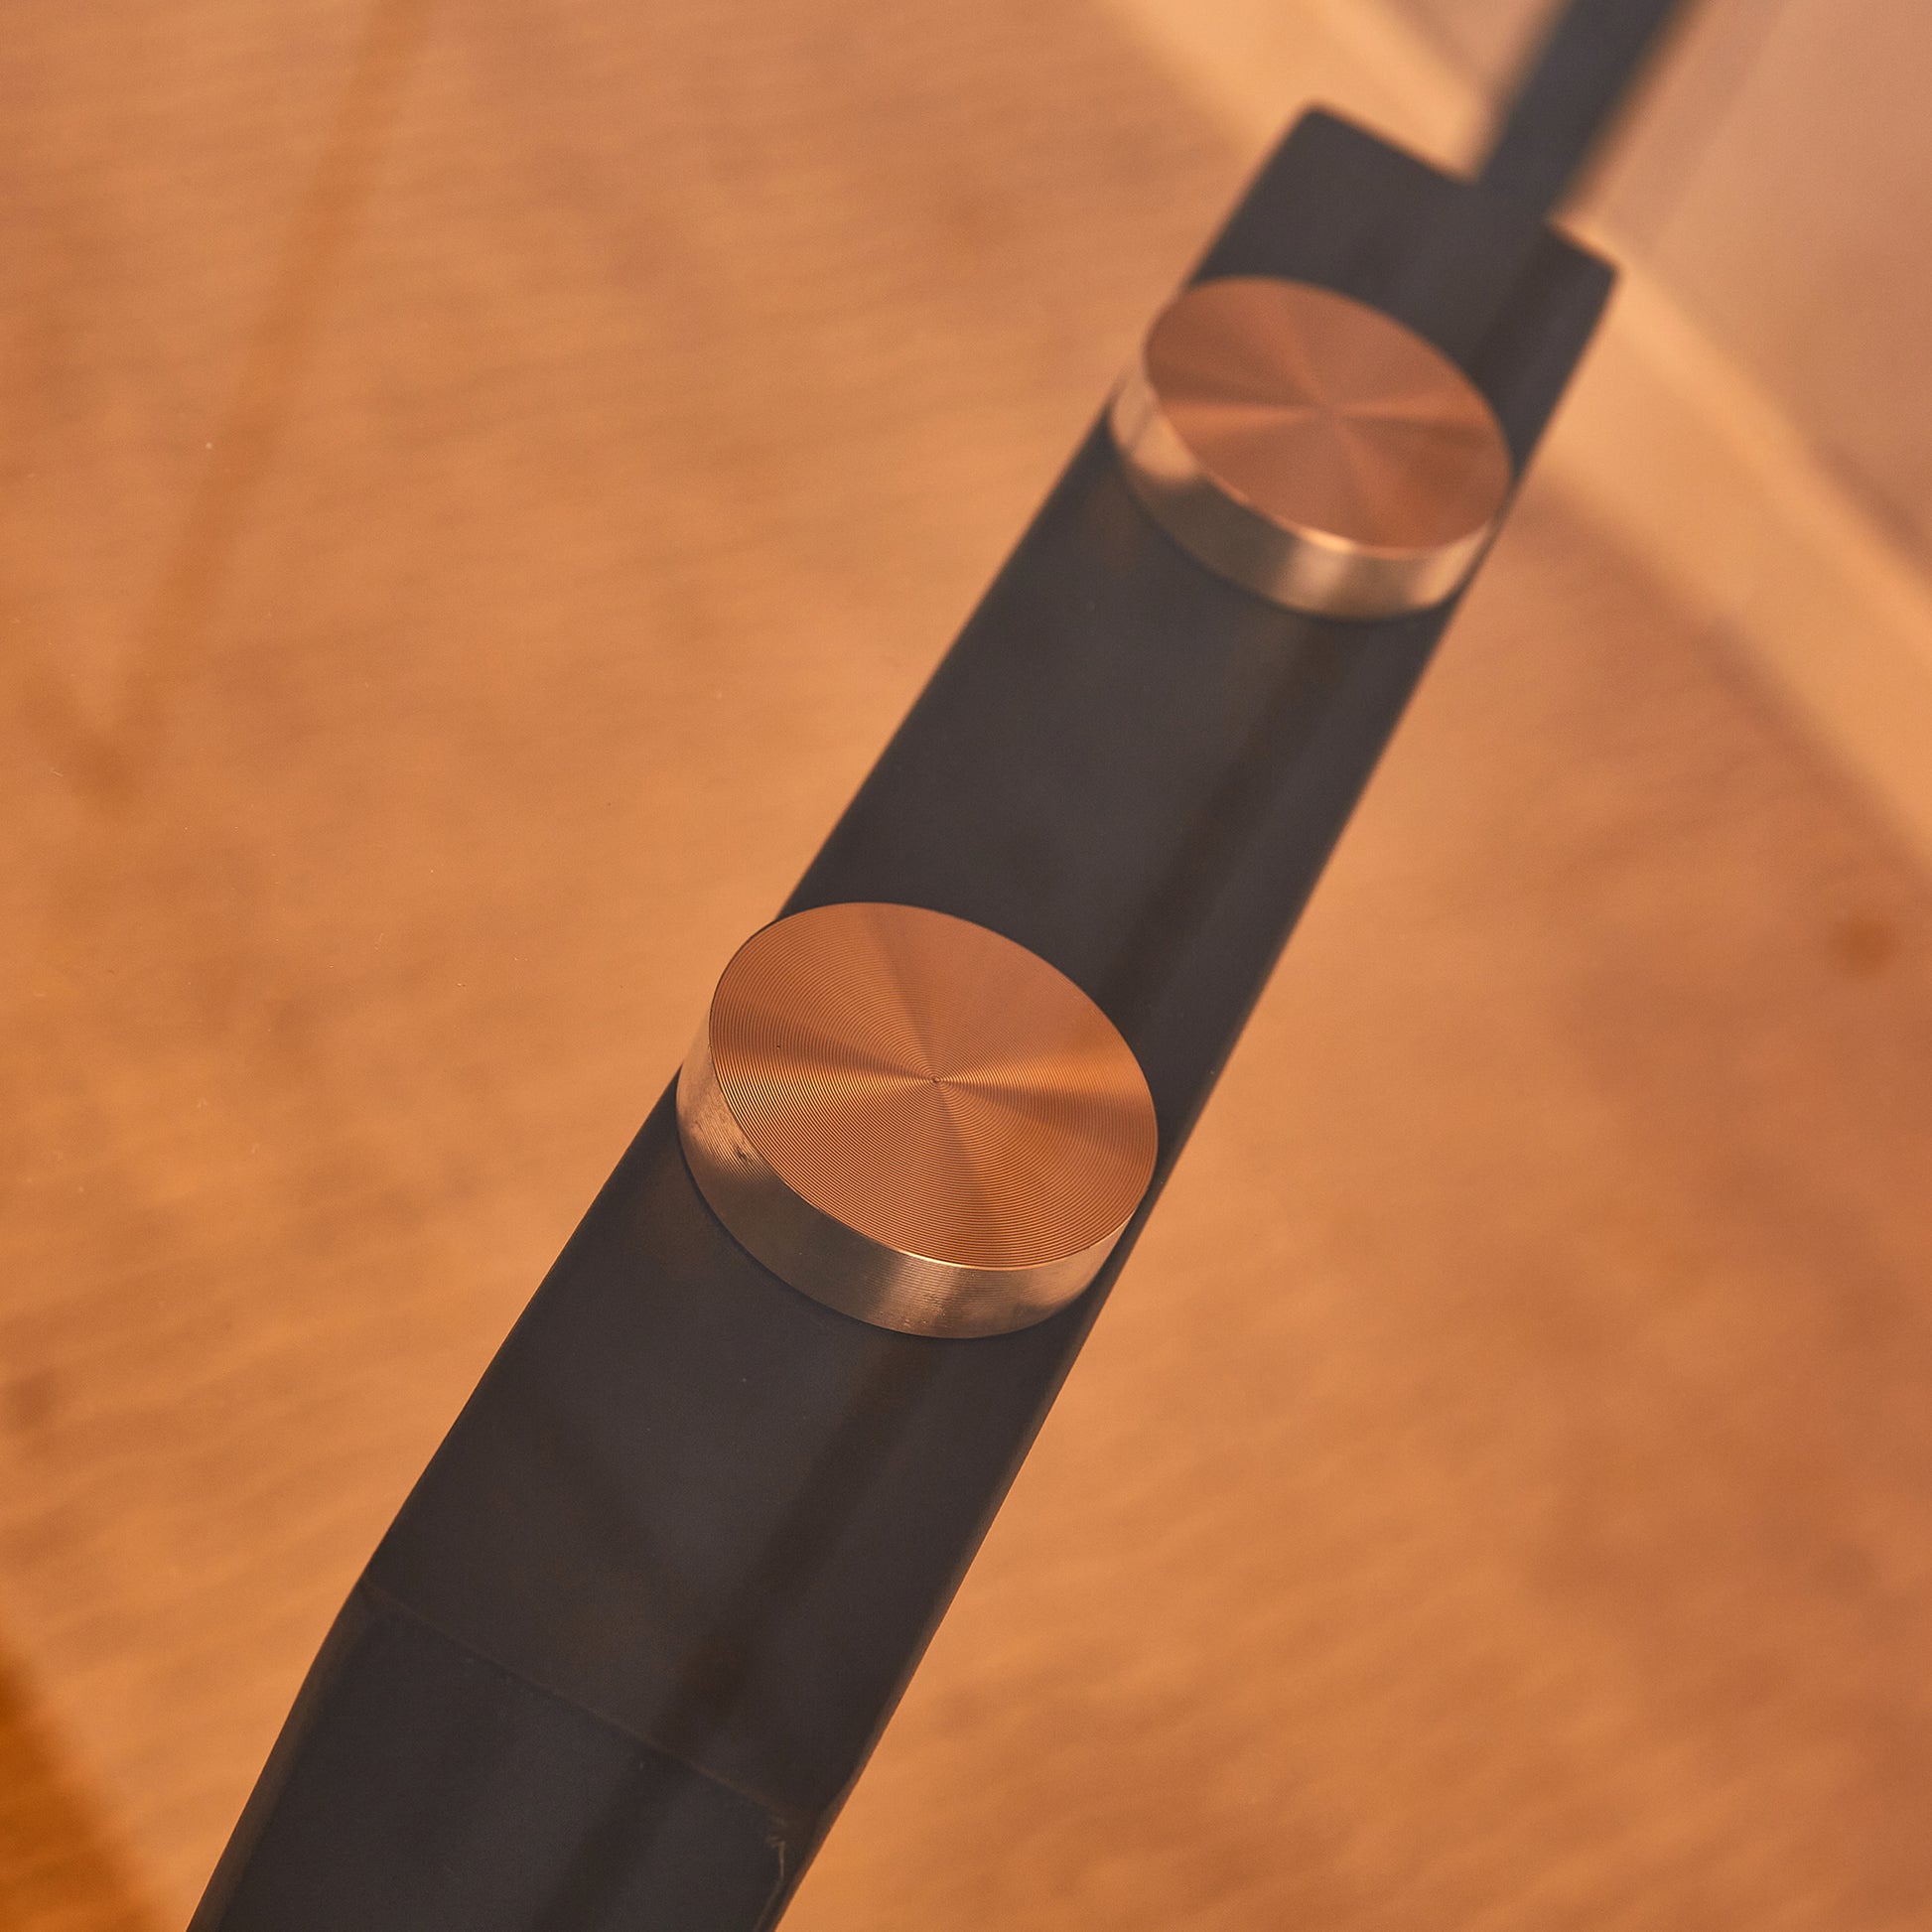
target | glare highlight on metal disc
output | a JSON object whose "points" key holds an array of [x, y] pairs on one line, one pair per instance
{"points": [[915, 1119], [1310, 448]]}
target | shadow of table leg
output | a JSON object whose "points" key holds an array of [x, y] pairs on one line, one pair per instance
{"points": [[58, 1874]]}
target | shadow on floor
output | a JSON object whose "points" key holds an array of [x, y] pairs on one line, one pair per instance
{"points": [[57, 1873]]}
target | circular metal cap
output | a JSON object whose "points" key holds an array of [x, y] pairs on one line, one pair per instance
{"points": [[914, 1120], [1310, 448]]}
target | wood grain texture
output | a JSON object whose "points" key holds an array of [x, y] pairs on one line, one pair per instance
{"points": [[1496, 1495]]}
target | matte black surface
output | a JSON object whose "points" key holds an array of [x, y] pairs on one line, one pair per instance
{"points": [[1576, 80], [691, 1515], [432, 1790]]}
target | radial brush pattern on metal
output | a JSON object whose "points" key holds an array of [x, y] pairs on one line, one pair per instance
{"points": [[1310, 448], [915, 1119]]}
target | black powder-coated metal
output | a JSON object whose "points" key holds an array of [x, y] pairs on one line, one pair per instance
{"points": [[634, 1633], [1577, 77]]}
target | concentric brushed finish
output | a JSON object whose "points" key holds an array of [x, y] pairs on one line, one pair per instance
{"points": [[1310, 448], [915, 1119]]}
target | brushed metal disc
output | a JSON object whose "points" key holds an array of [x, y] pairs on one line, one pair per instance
{"points": [[915, 1119], [1310, 448]]}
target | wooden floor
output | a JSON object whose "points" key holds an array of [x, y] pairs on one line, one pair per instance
{"points": [[479, 486]]}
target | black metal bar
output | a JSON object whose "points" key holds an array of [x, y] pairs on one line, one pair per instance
{"points": [[635, 1630], [1579, 75]]}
